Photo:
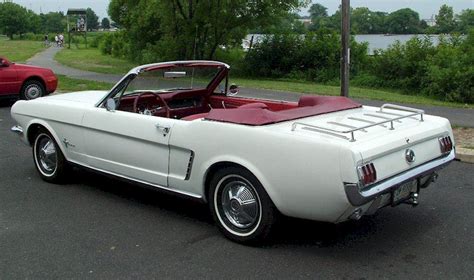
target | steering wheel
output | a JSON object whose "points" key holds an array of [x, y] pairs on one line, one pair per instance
{"points": [[158, 97]]}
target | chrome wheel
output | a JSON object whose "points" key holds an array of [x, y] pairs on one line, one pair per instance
{"points": [[46, 154], [239, 204], [33, 91]]}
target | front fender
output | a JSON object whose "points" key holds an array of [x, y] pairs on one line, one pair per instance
{"points": [[34, 122]]}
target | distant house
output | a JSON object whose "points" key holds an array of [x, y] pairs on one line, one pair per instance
{"points": [[430, 21], [306, 21]]}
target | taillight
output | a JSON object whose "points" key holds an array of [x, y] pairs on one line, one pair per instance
{"points": [[445, 144], [367, 174]]}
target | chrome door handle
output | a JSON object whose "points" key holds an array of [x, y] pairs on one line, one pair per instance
{"points": [[164, 128]]}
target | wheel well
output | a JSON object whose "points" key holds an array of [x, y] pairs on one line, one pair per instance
{"points": [[213, 169], [33, 131], [34, 78]]}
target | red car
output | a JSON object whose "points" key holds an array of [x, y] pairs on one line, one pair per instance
{"points": [[29, 82]]}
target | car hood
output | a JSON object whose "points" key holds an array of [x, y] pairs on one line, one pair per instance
{"points": [[28, 67], [85, 97]]}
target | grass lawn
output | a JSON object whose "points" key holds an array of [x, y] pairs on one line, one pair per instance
{"points": [[19, 50], [67, 84], [93, 60], [355, 92]]}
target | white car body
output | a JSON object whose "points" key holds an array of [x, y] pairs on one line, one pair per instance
{"points": [[308, 172]]}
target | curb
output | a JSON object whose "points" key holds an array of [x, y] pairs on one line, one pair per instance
{"points": [[465, 155]]}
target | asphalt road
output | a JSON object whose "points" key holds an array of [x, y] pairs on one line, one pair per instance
{"points": [[96, 227]]}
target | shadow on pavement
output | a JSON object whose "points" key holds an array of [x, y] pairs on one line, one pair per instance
{"points": [[370, 230], [7, 102]]}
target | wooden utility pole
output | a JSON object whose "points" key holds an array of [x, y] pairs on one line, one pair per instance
{"points": [[345, 50]]}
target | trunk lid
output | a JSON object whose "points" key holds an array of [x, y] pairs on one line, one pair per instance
{"points": [[379, 144]]}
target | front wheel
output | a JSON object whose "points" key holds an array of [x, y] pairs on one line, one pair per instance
{"points": [[32, 89], [48, 158], [240, 206]]}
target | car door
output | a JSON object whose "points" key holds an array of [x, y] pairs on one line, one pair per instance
{"points": [[8, 79], [128, 144]]}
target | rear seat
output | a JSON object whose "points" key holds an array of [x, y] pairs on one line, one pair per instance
{"points": [[256, 105]]}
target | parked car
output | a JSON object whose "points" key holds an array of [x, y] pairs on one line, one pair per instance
{"points": [[177, 126], [25, 81]]}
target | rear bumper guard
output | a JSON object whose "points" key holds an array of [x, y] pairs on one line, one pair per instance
{"points": [[360, 197]]}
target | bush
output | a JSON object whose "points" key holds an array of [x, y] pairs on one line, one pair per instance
{"points": [[450, 74], [95, 40], [314, 57], [403, 65], [115, 44], [445, 71]]}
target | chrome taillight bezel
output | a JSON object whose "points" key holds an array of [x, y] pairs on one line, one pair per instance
{"points": [[367, 174], [445, 144]]}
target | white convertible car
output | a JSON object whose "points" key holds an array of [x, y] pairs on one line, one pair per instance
{"points": [[178, 126]]}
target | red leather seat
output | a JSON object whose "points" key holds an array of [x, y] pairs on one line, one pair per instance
{"points": [[308, 100], [256, 105]]}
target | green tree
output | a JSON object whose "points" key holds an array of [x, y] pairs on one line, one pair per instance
{"points": [[105, 23], [286, 23], [403, 21], [365, 21], [466, 20], [92, 19], [13, 19], [191, 28], [319, 16], [53, 22], [445, 19]]}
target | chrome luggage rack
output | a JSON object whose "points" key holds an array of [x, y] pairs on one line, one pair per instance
{"points": [[352, 129]]}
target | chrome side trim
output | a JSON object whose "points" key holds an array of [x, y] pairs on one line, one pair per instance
{"points": [[190, 166], [17, 129], [138, 181], [359, 197]]}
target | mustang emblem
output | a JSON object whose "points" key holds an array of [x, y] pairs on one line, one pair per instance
{"points": [[410, 156], [68, 144]]}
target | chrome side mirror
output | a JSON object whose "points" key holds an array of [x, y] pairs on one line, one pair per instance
{"points": [[110, 105], [233, 90]]}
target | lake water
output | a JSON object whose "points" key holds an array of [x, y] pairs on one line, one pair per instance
{"points": [[384, 41], [375, 41]]}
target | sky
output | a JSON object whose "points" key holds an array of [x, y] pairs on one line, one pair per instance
{"points": [[426, 8]]}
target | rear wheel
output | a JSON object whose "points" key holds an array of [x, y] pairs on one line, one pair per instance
{"points": [[48, 158], [32, 89], [241, 208]]}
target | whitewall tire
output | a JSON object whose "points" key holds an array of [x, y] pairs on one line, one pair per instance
{"points": [[240, 206]]}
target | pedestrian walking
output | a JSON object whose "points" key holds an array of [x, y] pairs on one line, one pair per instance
{"points": [[61, 40], [56, 39]]}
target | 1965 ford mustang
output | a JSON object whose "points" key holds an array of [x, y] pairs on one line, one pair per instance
{"points": [[178, 126]]}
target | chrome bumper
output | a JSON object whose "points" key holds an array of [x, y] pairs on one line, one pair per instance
{"points": [[17, 130], [360, 197]]}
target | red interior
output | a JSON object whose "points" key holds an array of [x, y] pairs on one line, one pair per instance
{"points": [[192, 105], [281, 111]]}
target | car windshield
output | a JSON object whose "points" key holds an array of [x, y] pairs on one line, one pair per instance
{"points": [[172, 79]]}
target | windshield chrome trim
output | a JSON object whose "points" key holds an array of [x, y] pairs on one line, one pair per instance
{"points": [[137, 70]]}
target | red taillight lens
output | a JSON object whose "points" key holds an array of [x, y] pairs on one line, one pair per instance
{"points": [[367, 174], [445, 144]]}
